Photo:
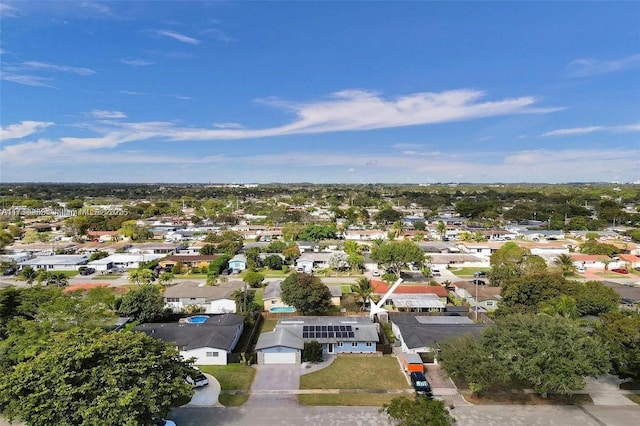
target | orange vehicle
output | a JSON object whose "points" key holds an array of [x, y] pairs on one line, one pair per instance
{"points": [[413, 363]]}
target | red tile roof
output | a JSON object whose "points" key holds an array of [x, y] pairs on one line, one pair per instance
{"points": [[380, 287]]}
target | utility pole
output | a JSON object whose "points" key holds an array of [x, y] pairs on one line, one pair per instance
{"points": [[476, 307]]}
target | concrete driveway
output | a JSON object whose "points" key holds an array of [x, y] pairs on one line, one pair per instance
{"points": [[206, 396], [276, 377]]}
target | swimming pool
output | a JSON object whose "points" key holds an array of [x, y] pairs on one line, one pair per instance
{"points": [[198, 319], [282, 309]]}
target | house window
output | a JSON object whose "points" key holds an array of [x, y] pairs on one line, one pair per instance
{"points": [[354, 344], [340, 344], [172, 299], [369, 344], [489, 303], [212, 354]]}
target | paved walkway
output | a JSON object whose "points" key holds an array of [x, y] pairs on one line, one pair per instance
{"points": [[605, 390]]}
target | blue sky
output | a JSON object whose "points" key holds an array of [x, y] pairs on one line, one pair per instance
{"points": [[326, 92]]}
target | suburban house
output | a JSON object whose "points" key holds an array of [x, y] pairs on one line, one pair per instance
{"points": [[102, 236], [629, 260], [273, 302], [479, 249], [591, 261], [421, 334], [539, 235], [310, 261], [380, 288], [155, 248], [365, 234], [209, 342], [459, 259], [305, 246], [350, 334], [213, 299], [238, 262], [122, 260], [58, 262], [488, 297], [189, 261]]}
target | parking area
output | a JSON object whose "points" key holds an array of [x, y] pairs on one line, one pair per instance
{"points": [[206, 396]]}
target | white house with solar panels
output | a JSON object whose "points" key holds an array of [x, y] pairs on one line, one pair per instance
{"points": [[337, 335]]}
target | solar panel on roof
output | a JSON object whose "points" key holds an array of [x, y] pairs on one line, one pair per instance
{"points": [[312, 335], [324, 334], [351, 334], [330, 334], [343, 328], [330, 328], [324, 328], [305, 335], [348, 328]]}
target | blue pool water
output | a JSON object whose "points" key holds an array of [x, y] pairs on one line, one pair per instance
{"points": [[198, 319], [282, 309]]}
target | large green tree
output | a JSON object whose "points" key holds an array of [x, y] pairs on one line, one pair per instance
{"points": [[512, 261], [143, 304], [394, 255], [363, 291], [306, 293], [621, 333], [88, 378]]}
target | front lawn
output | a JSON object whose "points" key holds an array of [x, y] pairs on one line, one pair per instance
{"points": [[467, 272], [518, 397], [69, 274], [232, 377], [634, 398], [106, 277], [268, 325], [357, 372]]}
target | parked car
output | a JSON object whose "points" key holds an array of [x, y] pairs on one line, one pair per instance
{"points": [[477, 282], [84, 270], [375, 273], [620, 271], [421, 385], [435, 272], [165, 422], [480, 274], [198, 381]]}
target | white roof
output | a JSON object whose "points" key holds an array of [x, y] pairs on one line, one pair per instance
{"points": [[68, 259], [126, 258], [417, 301]]}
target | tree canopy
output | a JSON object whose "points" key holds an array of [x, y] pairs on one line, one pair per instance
{"points": [[144, 304], [124, 378], [306, 293], [512, 261], [394, 255], [417, 412]]}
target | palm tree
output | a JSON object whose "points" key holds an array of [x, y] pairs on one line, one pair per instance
{"points": [[398, 228], [141, 276], [363, 291], [59, 279], [563, 306], [29, 274], [565, 263], [442, 229], [165, 279]]}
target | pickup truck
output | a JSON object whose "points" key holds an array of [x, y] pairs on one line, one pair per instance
{"points": [[198, 381]]}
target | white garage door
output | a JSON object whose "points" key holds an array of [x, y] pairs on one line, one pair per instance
{"points": [[280, 358]]}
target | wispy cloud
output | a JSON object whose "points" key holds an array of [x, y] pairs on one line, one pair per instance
{"points": [[26, 79], [137, 62], [218, 34], [635, 127], [103, 114], [8, 11], [23, 129], [95, 6], [589, 67], [228, 126], [177, 36], [54, 67]]}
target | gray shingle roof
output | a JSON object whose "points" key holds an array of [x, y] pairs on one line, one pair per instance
{"points": [[280, 337], [417, 335]]}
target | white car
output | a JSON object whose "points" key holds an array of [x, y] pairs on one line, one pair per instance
{"points": [[375, 273], [198, 381]]}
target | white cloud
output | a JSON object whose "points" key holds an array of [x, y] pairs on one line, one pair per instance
{"points": [[137, 62], [8, 11], [588, 67], [228, 126], [352, 110], [54, 67], [99, 113], [635, 127], [182, 98], [177, 36], [219, 35], [26, 79], [22, 129]]}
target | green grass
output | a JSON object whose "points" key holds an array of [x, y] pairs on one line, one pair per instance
{"points": [[106, 277], [231, 377], [258, 297], [357, 372], [69, 274], [634, 398], [268, 325], [467, 272], [346, 288], [350, 399], [270, 273], [190, 277]]}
